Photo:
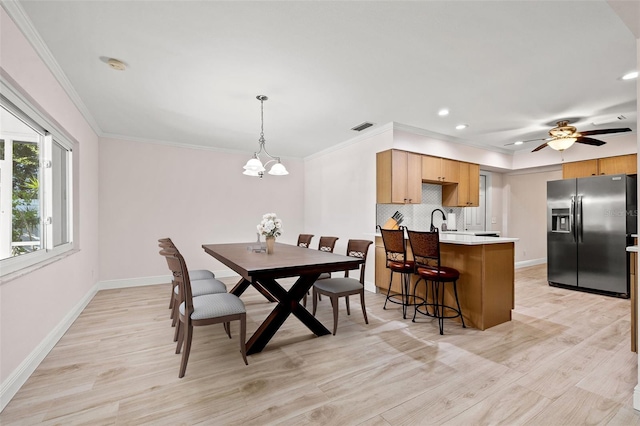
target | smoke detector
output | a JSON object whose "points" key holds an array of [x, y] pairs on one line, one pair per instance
{"points": [[116, 64]]}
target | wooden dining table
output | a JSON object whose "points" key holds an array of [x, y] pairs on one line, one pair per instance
{"points": [[262, 271]]}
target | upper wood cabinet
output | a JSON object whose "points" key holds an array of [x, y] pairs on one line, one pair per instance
{"points": [[467, 192], [621, 164], [439, 170], [398, 177]]}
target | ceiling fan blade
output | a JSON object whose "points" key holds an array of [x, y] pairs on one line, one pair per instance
{"points": [[540, 147], [590, 141], [605, 131]]}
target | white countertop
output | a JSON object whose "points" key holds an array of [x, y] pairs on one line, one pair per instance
{"points": [[633, 249], [471, 240], [477, 233]]}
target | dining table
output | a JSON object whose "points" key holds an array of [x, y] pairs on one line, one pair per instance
{"points": [[262, 271]]}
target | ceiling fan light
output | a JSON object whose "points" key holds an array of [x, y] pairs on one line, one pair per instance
{"points": [[278, 169], [560, 144], [254, 165]]}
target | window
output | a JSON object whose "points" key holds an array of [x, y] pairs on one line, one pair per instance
{"points": [[35, 189]]}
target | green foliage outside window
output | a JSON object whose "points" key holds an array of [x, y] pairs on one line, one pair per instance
{"points": [[26, 196]]}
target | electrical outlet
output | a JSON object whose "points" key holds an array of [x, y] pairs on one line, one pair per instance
{"points": [[494, 221]]}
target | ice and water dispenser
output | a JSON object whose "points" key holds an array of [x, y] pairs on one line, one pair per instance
{"points": [[561, 220]]}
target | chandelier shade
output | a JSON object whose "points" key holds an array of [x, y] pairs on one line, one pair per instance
{"points": [[254, 166]]}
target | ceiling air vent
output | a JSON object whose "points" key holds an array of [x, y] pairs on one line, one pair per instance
{"points": [[361, 127]]}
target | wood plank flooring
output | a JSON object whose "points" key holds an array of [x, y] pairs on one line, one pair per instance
{"points": [[565, 359]]}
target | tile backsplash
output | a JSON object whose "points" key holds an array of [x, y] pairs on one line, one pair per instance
{"points": [[418, 216]]}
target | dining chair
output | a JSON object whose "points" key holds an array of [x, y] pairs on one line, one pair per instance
{"points": [[325, 244], [334, 288], [219, 308], [426, 253], [205, 283], [304, 240], [395, 248]]}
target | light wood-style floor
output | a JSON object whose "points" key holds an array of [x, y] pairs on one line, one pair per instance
{"points": [[563, 360]]}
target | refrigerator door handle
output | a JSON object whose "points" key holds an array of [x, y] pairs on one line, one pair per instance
{"points": [[579, 219], [572, 212]]}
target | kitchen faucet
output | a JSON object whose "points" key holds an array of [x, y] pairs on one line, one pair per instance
{"points": [[444, 218]]}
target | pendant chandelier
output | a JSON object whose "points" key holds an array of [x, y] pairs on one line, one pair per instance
{"points": [[254, 166]]}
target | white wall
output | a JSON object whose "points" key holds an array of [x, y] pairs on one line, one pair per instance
{"points": [[525, 206], [195, 196], [340, 193], [35, 303]]}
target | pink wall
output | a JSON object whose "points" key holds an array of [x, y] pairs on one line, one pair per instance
{"points": [[32, 305], [194, 196]]}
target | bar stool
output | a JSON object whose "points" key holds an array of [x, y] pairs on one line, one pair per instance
{"points": [[426, 253], [395, 248]]}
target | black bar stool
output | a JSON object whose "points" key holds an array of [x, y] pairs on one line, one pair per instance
{"points": [[395, 247], [426, 253]]}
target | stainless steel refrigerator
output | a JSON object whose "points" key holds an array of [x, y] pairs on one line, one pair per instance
{"points": [[589, 222]]}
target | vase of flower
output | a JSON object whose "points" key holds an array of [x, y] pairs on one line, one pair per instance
{"points": [[271, 241], [270, 227]]}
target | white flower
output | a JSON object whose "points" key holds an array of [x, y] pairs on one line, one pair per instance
{"points": [[270, 226]]}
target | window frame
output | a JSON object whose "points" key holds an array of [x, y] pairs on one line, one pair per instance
{"points": [[23, 107]]}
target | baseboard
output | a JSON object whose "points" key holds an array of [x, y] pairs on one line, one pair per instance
{"points": [[19, 376], [160, 279], [532, 262]]}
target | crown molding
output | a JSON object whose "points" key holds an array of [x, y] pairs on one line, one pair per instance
{"points": [[447, 138], [24, 24]]}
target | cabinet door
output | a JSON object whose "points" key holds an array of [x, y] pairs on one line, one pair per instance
{"points": [[473, 200], [626, 164], [414, 178], [450, 170], [399, 176], [580, 169], [431, 169]]}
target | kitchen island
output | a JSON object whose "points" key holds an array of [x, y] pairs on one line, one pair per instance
{"points": [[487, 276]]}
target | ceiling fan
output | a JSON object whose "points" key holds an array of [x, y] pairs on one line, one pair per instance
{"points": [[563, 136]]}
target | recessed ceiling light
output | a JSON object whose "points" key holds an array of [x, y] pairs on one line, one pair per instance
{"points": [[443, 112], [630, 76], [518, 143], [461, 126]]}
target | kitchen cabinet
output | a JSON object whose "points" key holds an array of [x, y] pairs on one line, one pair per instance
{"points": [[439, 170], [621, 164], [467, 192], [398, 177]]}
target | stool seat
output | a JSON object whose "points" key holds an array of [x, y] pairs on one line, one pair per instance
{"points": [[443, 274], [402, 267]]}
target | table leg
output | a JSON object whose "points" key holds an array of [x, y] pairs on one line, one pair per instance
{"points": [[289, 302], [244, 284]]}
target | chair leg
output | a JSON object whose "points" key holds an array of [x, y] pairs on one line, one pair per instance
{"points": [[364, 310], [227, 328], [179, 337], [243, 335], [415, 291], [346, 299], [334, 304], [405, 295], [173, 295], [315, 301], [174, 314], [440, 307], [177, 332], [186, 350]]}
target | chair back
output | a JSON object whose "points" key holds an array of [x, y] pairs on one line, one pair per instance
{"points": [[304, 240], [358, 248], [327, 244], [166, 243], [178, 267], [395, 245], [425, 247]]}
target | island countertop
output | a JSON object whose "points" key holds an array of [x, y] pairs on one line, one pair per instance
{"points": [[470, 240]]}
